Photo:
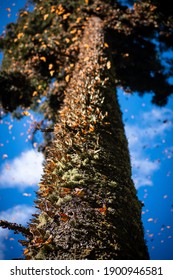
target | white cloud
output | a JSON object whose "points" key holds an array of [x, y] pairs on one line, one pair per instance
{"points": [[152, 124], [151, 127], [157, 122], [18, 214], [143, 169], [145, 165], [158, 114], [22, 171]]}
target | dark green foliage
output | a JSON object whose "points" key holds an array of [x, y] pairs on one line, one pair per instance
{"points": [[16, 90], [43, 45], [33, 47], [137, 67], [164, 7]]}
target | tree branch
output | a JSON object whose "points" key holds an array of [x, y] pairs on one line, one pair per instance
{"points": [[17, 228]]}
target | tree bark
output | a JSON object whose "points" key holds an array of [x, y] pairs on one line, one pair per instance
{"points": [[87, 200]]}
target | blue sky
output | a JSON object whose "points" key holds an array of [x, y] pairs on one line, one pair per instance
{"points": [[149, 131]]}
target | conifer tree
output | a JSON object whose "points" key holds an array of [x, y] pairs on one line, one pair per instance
{"points": [[66, 58]]}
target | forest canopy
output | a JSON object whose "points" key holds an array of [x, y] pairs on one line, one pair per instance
{"points": [[43, 56]]}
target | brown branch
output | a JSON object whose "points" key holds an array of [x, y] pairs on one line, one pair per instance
{"points": [[17, 228]]}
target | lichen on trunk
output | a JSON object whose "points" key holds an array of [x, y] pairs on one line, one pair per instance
{"points": [[87, 201]]}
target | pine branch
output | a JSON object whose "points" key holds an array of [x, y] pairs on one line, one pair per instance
{"points": [[17, 228]]}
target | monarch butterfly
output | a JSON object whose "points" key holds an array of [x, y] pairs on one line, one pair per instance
{"points": [[79, 192], [66, 190], [63, 216], [102, 210]]}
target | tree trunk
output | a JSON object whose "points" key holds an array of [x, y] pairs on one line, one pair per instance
{"points": [[87, 200]]}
